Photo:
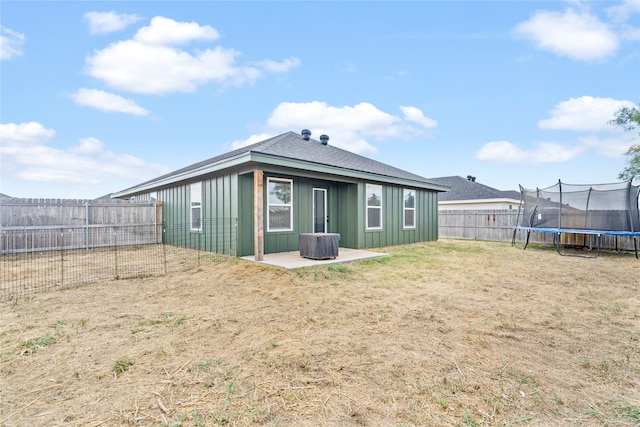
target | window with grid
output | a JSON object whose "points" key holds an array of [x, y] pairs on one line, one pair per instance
{"points": [[374, 207], [196, 206], [409, 207]]}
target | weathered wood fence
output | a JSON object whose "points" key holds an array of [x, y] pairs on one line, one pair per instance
{"points": [[497, 225], [28, 225]]}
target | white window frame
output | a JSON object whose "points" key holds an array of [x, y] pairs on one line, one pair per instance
{"points": [[367, 206], [405, 209], [270, 204], [195, 197]]}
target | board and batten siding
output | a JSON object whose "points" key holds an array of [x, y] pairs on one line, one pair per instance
{"points": [[219, 208], [219, 199], [245, 215], [392, 232], [350, 212], [347, 215], [284, 241]]}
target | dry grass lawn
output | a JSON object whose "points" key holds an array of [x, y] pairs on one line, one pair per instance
{"points": [[450, 333]]}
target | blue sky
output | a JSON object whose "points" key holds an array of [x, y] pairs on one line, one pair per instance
{"points": [[96, 97]]}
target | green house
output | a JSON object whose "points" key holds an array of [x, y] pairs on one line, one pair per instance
{"points": [[266, 194]]}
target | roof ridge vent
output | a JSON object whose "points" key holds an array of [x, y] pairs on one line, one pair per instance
{"points": [[324, 139], [306, 134]]}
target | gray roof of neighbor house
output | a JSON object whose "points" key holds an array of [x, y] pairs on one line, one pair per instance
{"points": [[468, 189], [290, 149]]}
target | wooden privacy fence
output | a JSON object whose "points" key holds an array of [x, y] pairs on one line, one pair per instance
{"points": [[497, 225], [29, 225]]}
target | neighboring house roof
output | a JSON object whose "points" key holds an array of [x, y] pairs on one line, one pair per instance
{"points": [[467, 189], [290, 149]]}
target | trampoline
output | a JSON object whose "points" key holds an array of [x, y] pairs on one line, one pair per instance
{"points": [[592, 211]]}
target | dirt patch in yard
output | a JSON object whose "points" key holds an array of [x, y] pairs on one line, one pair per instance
{"points": [[445, 333]]}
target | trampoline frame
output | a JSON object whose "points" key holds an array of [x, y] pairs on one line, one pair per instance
{"points": [[558, 233]]}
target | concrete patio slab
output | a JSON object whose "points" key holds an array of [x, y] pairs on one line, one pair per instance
{"points": [[291, 260]]}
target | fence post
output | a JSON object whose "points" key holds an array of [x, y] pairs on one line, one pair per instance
{"points": [[203, 232], [62, 257], [86, 225], [234, 239], [155, 222], [164, 247], [115, 250]]}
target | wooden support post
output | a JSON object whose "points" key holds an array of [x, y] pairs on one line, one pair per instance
{"points": [[258, 215]]}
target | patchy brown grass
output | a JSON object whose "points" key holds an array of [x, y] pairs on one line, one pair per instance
{"points": [[446, 333]]}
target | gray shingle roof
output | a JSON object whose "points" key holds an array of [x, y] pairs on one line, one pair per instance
{"points": [[293, 146], [464, 189]]}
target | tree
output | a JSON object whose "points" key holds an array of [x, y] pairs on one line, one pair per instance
{"points": [[628, 118]]}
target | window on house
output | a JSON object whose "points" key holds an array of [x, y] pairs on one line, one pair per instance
{"points": [[279, 204], [409, 207], [196, 206], [374, 207]]}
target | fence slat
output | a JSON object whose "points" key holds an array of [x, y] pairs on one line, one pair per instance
{"points": [[497, 225]]}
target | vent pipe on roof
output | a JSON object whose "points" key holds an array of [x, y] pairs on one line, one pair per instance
{"points": [[306, 134], [324, 139]]}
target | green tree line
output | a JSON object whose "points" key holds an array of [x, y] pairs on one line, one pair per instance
{"points": [[628, 118]]}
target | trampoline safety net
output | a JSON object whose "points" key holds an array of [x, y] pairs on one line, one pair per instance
{"points": [[597, 207]]}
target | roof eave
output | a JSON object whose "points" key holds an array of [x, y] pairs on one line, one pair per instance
{"points": [[273, 160], [185, 176], [341, 172]]}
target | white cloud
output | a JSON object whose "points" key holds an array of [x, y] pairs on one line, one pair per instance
{"points": [[167, 32], [413, 114], [630, 33], [614, 146], [109, 102], [585, 113], [279, 67], [622, 11], [151, 64], [251, 140], [108, 22], [137, 68], [504, 152], [10, 43], [88, 146], [579, 36], [349, 127], [88, 165], [620, 15], [24, 134]]}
